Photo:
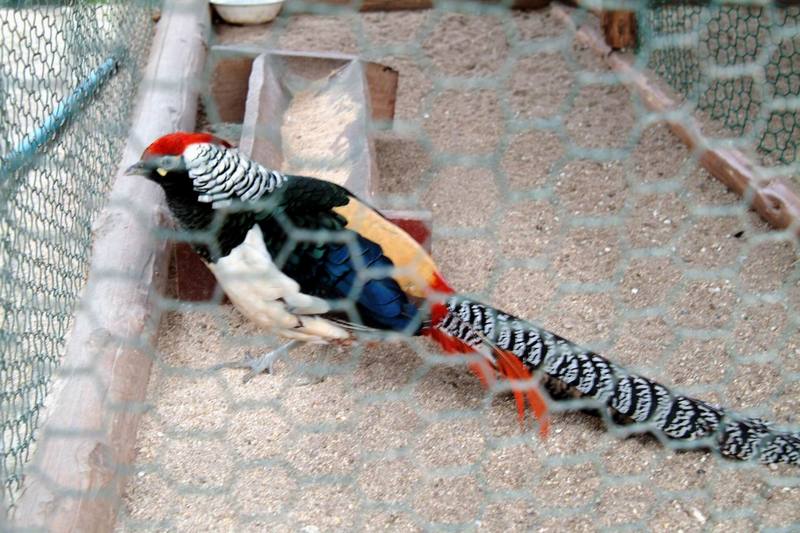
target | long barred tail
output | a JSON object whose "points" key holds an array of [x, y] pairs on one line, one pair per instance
{"points": [[634, 397]]}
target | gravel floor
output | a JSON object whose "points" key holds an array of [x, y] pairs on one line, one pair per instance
{"points": [[643, 257]]}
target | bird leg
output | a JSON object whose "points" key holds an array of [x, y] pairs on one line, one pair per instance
{"points": [[257, 365]]}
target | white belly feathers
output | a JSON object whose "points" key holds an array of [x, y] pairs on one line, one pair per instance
{"points": [[270, 298]]}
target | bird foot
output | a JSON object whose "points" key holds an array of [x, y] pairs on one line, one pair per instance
{"points": [[258, 365]]}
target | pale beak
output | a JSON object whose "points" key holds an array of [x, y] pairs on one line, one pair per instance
{"points": [[138, 168]]}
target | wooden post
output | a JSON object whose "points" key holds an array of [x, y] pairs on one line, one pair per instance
{"points": [[619, 28], [87, 441], [773, 199]]}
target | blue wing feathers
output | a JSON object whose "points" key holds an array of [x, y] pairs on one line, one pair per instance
{"points": [[337, 269], [379, 299]]}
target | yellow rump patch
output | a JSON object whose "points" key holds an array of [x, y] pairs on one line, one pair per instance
{"points": [[414, 268]]}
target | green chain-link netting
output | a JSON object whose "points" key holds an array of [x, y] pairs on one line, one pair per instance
{"points": [[68, 77], [740, 64]]}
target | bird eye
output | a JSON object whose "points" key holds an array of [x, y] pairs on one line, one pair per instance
{"points": [[161, 171]]}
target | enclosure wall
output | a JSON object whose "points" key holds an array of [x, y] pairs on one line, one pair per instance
{"points": [[68, 76]]}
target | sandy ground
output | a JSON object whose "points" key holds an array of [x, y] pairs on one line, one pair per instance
{"points": [[643, 257]]}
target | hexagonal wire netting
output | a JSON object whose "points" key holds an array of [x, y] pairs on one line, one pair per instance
{"points": [[558, 198], [738, 63], [68, 77]]}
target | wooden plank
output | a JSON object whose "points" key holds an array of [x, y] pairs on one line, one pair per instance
{"points": [[773, 199], [385, 5], [86, 444], [382, 84], [619, 28], [309, 6], [228, 77], [190, 279], [229, 72], [530, 4], [402, 5]]}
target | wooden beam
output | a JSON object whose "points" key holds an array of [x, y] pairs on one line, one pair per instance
{"points": [[86, 445], [402, 5], [773, 199], [190, 280], [382, 84], [387, 5], [619, 28]]}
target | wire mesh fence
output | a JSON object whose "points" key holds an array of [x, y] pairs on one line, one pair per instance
{"points": [[738, 63], [556, 197], [68, 76]]}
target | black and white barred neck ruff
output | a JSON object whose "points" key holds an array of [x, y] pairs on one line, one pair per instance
{"points": [[636, 398], [222, 175]]}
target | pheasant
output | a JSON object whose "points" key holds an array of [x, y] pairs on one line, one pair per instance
{"points": [[307, 260]]}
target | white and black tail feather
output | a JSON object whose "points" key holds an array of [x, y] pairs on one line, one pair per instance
{"points": [[636, 398]]}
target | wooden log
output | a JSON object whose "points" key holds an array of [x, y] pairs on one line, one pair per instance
{"points": [[619, 28], [86, 444], [773, 199]]}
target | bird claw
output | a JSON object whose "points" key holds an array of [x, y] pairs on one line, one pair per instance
{"points": [[257, 365]]}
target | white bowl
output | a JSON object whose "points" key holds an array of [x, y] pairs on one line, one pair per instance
{"points": [[247, 11]]}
